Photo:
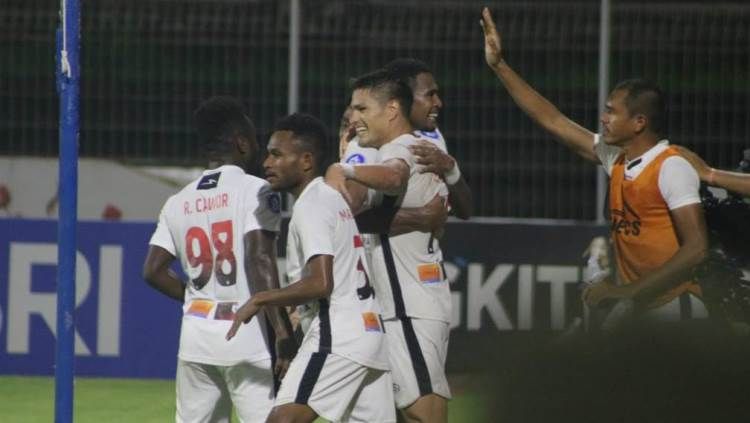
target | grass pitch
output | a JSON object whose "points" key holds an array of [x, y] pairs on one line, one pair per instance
{"points": [[32, 399]]}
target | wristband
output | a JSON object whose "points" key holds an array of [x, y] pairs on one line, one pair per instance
{"points": [[348, 170], [710, 179], [452, 176]]}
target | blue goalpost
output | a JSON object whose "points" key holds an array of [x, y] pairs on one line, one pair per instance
{"points": [[67, 70]]}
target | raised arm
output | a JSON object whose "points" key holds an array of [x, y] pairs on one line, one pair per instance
{"points": [[731, 181], [538, 108]]}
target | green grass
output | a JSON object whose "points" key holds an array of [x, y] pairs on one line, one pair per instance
{"points": [[31, 399]]}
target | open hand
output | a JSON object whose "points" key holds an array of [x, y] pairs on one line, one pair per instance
{"points": [[337, 180], [492, 42], [432, 158], [286, 349], [243, 315]]}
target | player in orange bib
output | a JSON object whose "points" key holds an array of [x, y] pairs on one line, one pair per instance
{"points": [[657, 222]]}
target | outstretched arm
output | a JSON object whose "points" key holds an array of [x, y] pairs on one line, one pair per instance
{"points": [[538, 108], [731, 181], [396, 221], [390, 177], [318, 283]]}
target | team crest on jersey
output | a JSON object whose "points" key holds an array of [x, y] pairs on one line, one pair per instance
{"points": [[355, 158], [273, 201], [429, 134]]}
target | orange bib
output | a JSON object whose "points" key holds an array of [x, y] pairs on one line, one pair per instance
{"points": [[641, 225]]}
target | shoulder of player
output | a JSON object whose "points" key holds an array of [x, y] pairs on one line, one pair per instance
{"points": [[432, 136], [356, 154], [676, 165], [320, 197]]}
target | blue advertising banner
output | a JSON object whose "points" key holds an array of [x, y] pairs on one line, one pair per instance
{"points": [[123, 327], [507, 279]]}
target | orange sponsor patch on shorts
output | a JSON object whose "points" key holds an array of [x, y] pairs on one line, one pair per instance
{"points": [[200, 308], [429, 273], [372, 322]]}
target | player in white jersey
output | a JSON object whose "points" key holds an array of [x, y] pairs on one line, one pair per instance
{"points": [[222, 227], [432, 151], [341, 370], [408, 275]]}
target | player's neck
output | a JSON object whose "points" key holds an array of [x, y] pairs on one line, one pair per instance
{"points": [[639, 145], [297, 190], [399, 129]]}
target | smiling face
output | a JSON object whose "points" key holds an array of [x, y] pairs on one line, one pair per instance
{"points": [[286, 163], [427, 103], [618, 125], [370, 118]]}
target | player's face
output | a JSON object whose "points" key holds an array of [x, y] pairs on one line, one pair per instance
{"points": [[427, 103], [369, 118], [618, 125], [283, 166]]}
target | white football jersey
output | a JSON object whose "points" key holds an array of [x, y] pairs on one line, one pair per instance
{"points": [[348, 323], [203, 225], [358, 155], [408, 268]]}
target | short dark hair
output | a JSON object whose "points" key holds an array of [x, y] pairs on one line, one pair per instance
{"points": [[387, 86], [645, 97], [218, 120], [407, 69], [311, 135]]}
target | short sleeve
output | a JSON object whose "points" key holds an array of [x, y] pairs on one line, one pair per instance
{"points": [[316, 228], [266, 211], [607, 154], [357, 155], [162, 237], [435, 137], [397, 150], [678, 183]]}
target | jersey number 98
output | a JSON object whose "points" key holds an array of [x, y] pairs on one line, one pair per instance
{"points": [[221, 261]]}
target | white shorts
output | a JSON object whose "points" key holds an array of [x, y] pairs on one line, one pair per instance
{"points": [[205, 392], [417, 349], [338, 389]]}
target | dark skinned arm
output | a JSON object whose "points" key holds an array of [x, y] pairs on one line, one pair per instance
{"points": [[317, 284], [157, 273], [262, 274], [439, 162], [396, 221], [690, 226]]}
